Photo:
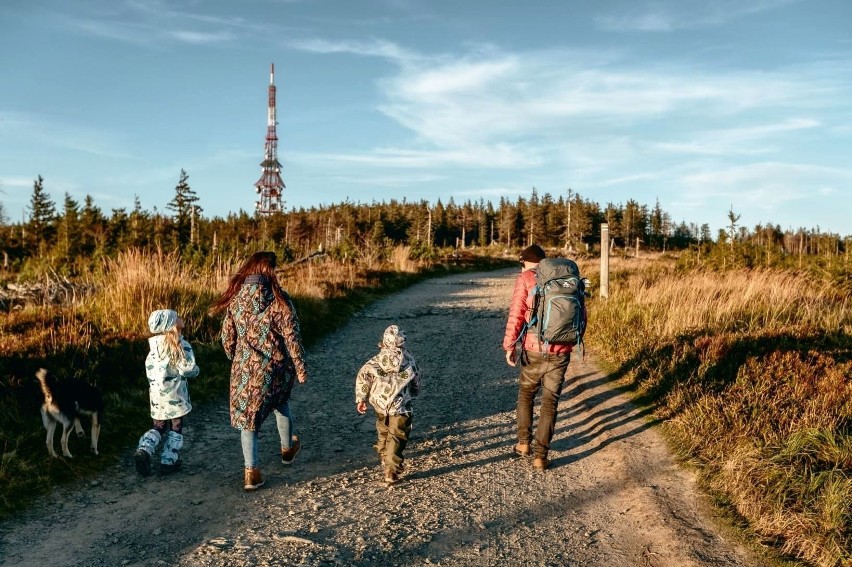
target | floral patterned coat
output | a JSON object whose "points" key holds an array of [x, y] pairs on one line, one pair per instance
{"points": [[261, 337]]}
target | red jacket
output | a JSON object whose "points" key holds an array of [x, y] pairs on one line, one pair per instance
{"points": [[520, 310]]}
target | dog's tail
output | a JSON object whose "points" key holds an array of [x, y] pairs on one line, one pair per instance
{"points": [[45, 388]]}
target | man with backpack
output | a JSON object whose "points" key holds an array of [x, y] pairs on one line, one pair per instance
{"points": [[546, 319]]}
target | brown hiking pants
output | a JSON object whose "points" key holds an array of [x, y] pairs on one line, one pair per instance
{"points": [[393, 433]]}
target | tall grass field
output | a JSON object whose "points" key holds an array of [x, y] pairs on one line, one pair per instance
{"points": [[751, 373]]}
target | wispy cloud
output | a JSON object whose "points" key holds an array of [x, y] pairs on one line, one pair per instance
{"points": [[753, 140], [497, 157], [202, 38], [150, 23], [580, 110], [50, 131], [373, 180], [763, 185], [670, 15], [374, 48]]}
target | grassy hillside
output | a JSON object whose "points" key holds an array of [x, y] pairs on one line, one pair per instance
{"points": [[750, 369]]}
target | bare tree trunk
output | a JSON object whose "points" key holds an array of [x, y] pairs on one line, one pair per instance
{"points": [[605, 243]]}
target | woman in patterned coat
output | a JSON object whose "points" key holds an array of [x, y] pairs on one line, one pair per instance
{"points": [[260, 334]]}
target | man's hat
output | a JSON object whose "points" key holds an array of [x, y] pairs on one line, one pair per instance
{"points": [[533, 253]]}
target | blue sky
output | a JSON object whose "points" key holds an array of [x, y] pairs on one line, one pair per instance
{"points": [[704, 105]]}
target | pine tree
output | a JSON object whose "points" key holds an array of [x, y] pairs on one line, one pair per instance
{"points": [[93, 227], [69, 228], [42, 212], [185, 210], [733, 218]]}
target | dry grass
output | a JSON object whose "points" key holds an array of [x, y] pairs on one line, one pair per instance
{"points": [[134, 284], [751, 370], [103, 340]]}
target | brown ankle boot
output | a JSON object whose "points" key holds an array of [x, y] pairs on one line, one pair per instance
{"points": [[541, 463], [287, 455], [253, 479]]}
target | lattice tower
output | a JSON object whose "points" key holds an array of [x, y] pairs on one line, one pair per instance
{"points": [[270, 186]]}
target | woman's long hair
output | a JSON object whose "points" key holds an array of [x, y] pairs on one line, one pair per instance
{"points": [[260, 263]]}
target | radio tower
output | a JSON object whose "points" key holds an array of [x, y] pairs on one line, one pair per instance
{"points": [[270, 186]]}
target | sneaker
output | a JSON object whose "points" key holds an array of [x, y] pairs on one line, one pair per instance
{"points": [[253, 479], [541, 463], [391, 477], [143, 462], [288, 455], [166, 468], [522, 450]]}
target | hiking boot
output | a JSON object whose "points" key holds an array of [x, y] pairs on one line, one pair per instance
{"points": [[143, 462], [253, 479], [541, 463], [288, 455], [523, 450], [391, 477]]}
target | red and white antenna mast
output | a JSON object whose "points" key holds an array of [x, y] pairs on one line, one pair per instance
{"points": [[270, 186]]}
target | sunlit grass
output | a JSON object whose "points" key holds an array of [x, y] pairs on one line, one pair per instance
{"points": [[103, 340], [751, 371]]}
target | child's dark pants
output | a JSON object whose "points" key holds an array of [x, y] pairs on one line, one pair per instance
{"points": [[393, 433]]}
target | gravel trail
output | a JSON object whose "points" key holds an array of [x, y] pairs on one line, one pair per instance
{"points": [[613, 497]]}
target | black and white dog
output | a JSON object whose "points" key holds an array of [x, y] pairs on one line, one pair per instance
{"points": [[64, 402]]}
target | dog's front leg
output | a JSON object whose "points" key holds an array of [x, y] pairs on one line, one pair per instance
{"points": [[66, 433], [78, 427], [51, 427]]}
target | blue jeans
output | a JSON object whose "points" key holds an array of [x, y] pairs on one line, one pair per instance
{"points": [[286, 431]]}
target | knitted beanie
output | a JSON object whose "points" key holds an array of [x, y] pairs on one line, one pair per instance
{"points": [[533, 253], [162, 320]]}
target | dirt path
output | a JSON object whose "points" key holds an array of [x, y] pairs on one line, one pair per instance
{"points": [[614, 496]]}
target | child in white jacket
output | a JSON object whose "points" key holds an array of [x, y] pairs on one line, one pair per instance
{"points": [[169, 364], [390, 381]]}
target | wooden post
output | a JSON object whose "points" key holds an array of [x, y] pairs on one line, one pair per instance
{"points": [[637, 246], [604, 260]]}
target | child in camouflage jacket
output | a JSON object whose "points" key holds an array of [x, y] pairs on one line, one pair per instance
{"points": [[390, 381]]}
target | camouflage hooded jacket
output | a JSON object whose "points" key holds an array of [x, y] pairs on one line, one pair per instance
{"points": [[390, 380]]}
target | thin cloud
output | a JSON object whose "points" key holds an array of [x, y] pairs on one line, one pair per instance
{"points": [[48, 131], [675, 15], [737, 141], [628, 179], [150, 23], [375, 48], [503, 96], [581, 111], [389, 180], [500, 156], [201, 38], [764, 185]]}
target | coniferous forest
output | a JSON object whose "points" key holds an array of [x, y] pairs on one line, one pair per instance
{"points": [[71, 237]]}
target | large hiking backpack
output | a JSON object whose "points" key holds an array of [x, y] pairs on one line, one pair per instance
{"points": [[559, 312]]}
